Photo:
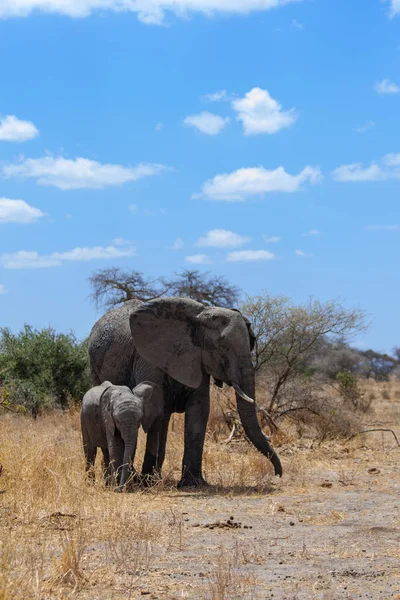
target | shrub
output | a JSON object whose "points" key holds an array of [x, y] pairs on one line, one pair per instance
{"points": [[43, 368]]}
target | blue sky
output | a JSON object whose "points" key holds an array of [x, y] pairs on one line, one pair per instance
{"points": [[258, 139]]}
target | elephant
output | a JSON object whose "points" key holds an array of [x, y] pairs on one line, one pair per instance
{"points": [[110, 419], [179, 344]]}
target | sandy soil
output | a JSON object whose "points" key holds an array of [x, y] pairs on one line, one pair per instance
{"points": [[336, 537]]}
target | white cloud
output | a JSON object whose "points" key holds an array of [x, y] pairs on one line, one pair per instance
{"points": [[27, 260], [133, 208], [13, 129], [271, 239], [121, 242], [222, 238], [260, 113], [198, 259], [392, 160], [80, 173], [303, 254], [241, 184], [296, 25], [215, 96], [386, 87], [159, 126], [313, 232], [148, 11], [207, 122], [357, 172], [178, 244], [388, 170], [383, 227], [366, 127], [94, 253], [250, 256], [3, 289], [18, 211], [33, 260], [394, 7], [152, 212]]}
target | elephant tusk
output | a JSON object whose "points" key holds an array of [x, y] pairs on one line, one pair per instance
{"points": [[242, 394]]}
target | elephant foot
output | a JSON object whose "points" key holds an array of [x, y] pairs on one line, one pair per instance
{"points": [[190, 481], [150, 479]]}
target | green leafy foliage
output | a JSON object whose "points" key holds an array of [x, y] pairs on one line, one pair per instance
{"points": [[40, 369], [349, 389]]}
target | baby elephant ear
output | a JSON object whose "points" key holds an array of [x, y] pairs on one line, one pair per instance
{"points": [[166, 333], [107, 408], [105, 385], [152, 401]]}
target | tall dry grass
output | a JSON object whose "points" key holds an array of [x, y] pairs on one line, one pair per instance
{"points": [[61, 537]]}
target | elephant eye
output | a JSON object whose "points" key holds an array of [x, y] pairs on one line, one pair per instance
{"points": [[223, 320]]}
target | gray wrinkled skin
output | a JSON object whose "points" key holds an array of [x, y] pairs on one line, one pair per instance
{"points": [[110, 419], [178, 344]]}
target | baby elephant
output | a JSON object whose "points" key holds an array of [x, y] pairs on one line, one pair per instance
{"points": [[110, 419]]}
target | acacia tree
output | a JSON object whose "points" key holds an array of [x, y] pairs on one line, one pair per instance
{"points": [[289, 336], [112, 287], [210, 290], [379, 365]]}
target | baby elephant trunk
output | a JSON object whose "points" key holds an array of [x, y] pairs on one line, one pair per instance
{"points": [[129, 452]]}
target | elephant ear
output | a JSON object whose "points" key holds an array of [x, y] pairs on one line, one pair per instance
{"points": [[152, 402], [164, 333], [252, 335]]}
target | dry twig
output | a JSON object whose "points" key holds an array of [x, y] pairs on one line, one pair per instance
{"points": [[372, 431]]}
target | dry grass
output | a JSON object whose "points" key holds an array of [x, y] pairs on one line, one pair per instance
{"points": [[226, 580], [62, 538]]}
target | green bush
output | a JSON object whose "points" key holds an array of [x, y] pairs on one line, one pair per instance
{"points": [[349, 390], [43, 368]]}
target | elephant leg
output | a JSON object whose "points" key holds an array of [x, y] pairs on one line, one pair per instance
{"points": [[150, 463], [162, 445], [196, 417], [106, 466], [90, 456]]}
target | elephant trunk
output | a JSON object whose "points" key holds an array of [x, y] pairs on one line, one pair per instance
{"points": [[248, 417], [129, 451]]}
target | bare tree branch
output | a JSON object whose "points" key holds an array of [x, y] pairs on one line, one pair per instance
{"points": [[112, 287], [372, 431]]}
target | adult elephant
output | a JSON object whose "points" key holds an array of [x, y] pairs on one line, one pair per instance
{"points": [[178, 344]]}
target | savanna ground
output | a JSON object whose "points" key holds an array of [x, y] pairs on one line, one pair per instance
{"points": [[329, 529]]}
